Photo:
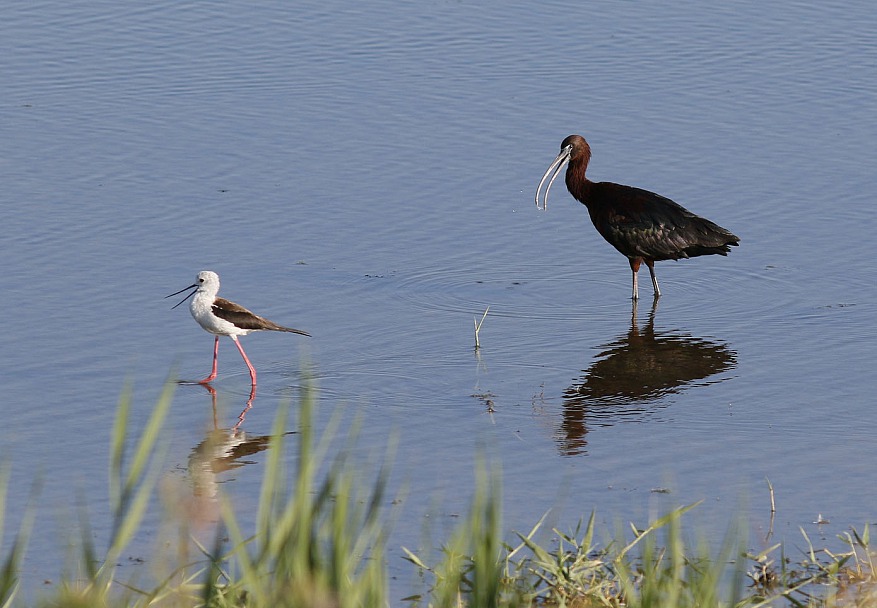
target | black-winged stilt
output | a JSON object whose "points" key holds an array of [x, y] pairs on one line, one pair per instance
{"points": [[221, 317]]}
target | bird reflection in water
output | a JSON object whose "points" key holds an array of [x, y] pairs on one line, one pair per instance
{"points": [[631, 375], [223, 449]]}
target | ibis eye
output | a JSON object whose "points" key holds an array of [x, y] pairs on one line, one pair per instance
{"points": [[200, 280]]}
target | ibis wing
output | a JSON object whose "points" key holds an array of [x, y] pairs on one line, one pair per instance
{"points": [[642, 223]]}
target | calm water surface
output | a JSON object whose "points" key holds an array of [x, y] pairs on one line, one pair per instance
{"points": [[367, 173]]}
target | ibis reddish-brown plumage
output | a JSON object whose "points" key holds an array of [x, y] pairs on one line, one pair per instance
{"points": [[644, 226]]}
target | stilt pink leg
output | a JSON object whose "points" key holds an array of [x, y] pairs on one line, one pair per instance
{"points": [[246, 360], [212, 375]]}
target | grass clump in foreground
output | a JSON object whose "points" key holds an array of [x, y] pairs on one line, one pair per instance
{"points": [[320, 541]]}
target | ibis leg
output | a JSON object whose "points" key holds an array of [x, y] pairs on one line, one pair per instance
{"points": [[651, 265], [634, 268], [212, 375], [246, 360]]}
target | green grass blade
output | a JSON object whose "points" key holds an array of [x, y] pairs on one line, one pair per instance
{"points": [[11, 566]]}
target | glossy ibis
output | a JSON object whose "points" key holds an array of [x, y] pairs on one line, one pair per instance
{"points": [[220, 317], [644, 226]]}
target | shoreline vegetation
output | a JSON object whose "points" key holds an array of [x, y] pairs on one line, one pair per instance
{"points": [[320, 540]]}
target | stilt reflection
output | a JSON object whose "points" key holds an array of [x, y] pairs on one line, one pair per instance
{"points": [[632, 374], [223, 449]]}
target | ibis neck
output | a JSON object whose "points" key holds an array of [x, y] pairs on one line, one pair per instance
{"points": [[576, 182]]}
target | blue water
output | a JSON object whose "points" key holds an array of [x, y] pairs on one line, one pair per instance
{"points": [[366, 173]]}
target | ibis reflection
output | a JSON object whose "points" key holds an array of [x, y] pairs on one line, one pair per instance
{"points": [[631, 375]]}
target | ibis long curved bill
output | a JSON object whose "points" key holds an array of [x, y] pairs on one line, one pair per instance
{"points": [[557, 166]]}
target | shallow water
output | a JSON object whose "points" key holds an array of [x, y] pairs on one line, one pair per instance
{"points": [[366, 173]]}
